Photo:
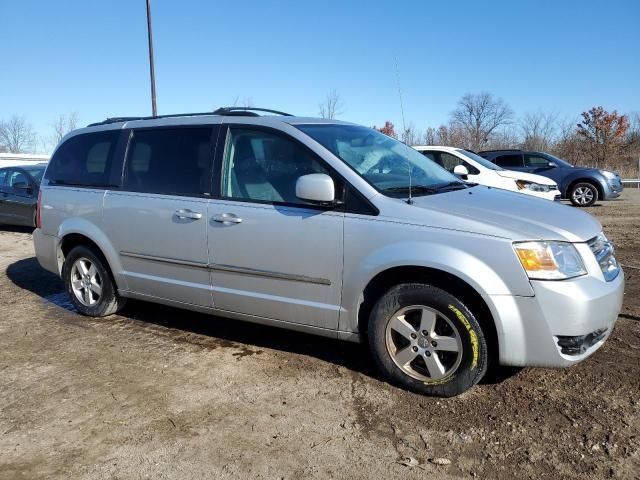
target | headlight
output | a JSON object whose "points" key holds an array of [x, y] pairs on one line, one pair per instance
{"points": [[608, 174], [534, 187], [549, 260]]}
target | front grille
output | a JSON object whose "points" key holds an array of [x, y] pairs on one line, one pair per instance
{"points": [[603, 250]]}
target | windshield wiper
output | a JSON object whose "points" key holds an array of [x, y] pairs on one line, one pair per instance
{"points": [[414, 189], [450, 186]]}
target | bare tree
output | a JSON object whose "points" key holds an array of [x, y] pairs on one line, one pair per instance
{"points": [[430, 136], [63, 125], [567, 145], [17, 135], [478, 116], [410, 135], [538, 130], [332, 105]]}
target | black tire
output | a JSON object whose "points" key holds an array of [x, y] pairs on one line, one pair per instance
{"points": [[471, 359], [583, 194], [108, 302]]}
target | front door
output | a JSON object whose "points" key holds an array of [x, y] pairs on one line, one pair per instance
{"points": [[158, 220], [540, 166], [19, 198], [273, 255]]}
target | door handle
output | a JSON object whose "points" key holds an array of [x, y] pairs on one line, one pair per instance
{"points": [[227, 218], [185, 213]]}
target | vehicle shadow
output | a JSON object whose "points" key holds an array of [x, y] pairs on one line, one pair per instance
{"points": [[28, 274]]}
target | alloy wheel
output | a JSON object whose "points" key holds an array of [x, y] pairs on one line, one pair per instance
{"points": [[583, 195], [423, 343], [86, 282]]}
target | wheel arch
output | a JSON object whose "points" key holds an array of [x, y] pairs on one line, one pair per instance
{"points": [[456, 286], [593, 181], [88, 234]]}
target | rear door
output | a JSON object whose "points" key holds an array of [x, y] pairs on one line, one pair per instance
{"points": [[539, 165], [158, 220], [273, 255]]}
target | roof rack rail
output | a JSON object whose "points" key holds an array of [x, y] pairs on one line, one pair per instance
{"points": [[502, 150], [228, 111], [249, 111]]}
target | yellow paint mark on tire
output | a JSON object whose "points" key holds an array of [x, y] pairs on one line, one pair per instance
{"points": [[472, 334]]}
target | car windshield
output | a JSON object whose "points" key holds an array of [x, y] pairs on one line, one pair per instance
{"points": [[35, 172], [562, 163], [383, 161], [477, 158]]}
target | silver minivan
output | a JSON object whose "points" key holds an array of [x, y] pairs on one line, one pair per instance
{"points": [[330, 228]]}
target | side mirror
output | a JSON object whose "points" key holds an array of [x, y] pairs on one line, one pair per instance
{"points": [[552, 164], [316, 188], [461, 171], [22, 186]]}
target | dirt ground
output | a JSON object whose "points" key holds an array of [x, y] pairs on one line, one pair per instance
{"points": [[163, 393]]}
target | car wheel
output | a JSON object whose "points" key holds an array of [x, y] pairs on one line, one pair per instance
{"points": [[427, 341], [89, 283], [583, 194]]}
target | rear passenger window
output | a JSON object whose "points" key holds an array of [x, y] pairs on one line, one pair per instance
{"points": [[507, 161], [86, 160], [173, 161]]}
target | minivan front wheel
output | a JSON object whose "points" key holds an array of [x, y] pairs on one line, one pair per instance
{"points": [[426, 340], [583, 194], [89, 283]]}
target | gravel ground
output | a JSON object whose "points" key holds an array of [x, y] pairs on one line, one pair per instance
{"points": [[163, 393]]}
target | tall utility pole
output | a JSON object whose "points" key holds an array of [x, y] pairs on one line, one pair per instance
{"points": [[151, 65]]}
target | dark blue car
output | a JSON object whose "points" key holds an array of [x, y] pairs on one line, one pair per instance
{"points": [[19, 188], [582, 185]]}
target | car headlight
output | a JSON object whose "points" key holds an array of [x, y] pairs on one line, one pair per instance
{"points": [[549, 260], [608, 174], [534, 187]]}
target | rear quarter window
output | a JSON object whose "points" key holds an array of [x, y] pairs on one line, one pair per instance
{"points": [[86, 160]]}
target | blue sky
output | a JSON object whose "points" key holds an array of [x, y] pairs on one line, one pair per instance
{"points": [[91, 56]]}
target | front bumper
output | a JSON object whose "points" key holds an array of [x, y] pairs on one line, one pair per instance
{"points": [[535, 331], [553, 195], [613, 189]]}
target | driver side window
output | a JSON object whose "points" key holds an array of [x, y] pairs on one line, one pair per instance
{"points": [[17, 177], [262, 166], [449, 162]]}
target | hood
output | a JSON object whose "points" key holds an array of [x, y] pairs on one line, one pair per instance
{"points": [[529, 177], [489, 211]]}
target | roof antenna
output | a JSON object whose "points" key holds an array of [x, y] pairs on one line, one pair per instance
{"points": [[404, 129]]}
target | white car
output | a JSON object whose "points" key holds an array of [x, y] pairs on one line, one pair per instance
{"points": [[474, 168]]}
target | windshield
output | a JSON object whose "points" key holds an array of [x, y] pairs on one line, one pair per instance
{"points": [[35, 172], [383, 161], [562, 163], [482, 161]]}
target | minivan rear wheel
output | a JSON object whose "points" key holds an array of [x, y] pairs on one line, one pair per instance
{"points": [[427, 341], [89, 283]]}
